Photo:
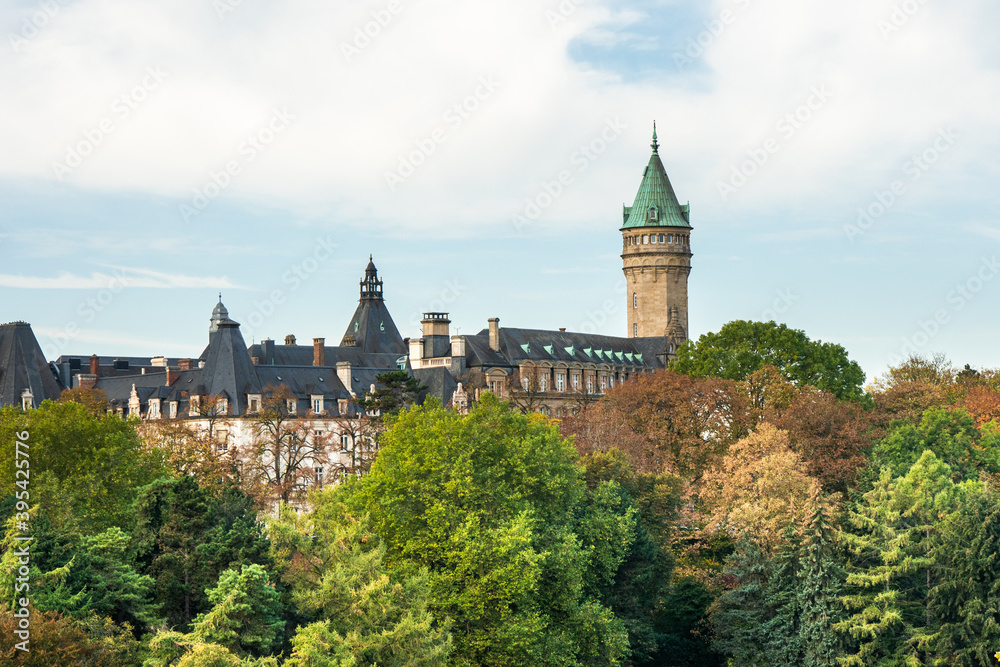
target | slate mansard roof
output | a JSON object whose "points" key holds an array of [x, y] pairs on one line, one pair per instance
{"points": [[23, 366], [537, 345]]}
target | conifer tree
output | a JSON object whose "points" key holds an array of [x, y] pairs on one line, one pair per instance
{"points": [[897, 526], [967, 598]]}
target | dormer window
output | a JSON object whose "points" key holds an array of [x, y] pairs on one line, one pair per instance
{"points": [[290, 404], [27, 400], [652, 214]]}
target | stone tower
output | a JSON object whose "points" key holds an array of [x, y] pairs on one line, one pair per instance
{"points": [[656, 257]]}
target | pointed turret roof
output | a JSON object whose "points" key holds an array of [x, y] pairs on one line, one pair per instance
{"points": [[228, 369], [655, 204], [372, 329], [23, 367]]}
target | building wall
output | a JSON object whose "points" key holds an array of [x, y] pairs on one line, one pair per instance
{"points": [[657, 278]]}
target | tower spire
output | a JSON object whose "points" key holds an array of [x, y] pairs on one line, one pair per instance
{"points": [[656, 144]]}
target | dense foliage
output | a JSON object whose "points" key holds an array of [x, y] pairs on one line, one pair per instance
{"points": [[763, 514]]}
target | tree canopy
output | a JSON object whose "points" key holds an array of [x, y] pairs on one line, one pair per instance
{"points": [[741, 348]]}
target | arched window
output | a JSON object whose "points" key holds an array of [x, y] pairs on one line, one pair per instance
{"points": [[635, 330], [652, 213], [635, 300]]}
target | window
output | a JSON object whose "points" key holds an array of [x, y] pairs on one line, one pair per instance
{"points": [[290, 404], [254, 405], [345, 440], [661, 238], [645, 239], [560, 382], [635, 330], [173, 409], [611, 382], [590, 385], [318, 434], [652, 238], [652, 213], [154, 410], [543, 382], [635, 300], [319, 477], [317, 405], [524, 383], [604, 382], [27, 400], [576, 381]]}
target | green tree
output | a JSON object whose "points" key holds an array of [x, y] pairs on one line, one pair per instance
{"points": [[967, 597], [85, 468], [186, 537], [246, 613], [740, 615], [491, 503], [365, 614], [98, 578], [897, 532], [742, 348], [952, 436], [642, 581], [394, 391]]}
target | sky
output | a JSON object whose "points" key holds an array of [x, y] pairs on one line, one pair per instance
{"points": [[840, 160]]}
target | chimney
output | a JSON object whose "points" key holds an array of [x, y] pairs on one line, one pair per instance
{"points": [[267, 352], [290, 339], [562, 329], [344, 373], [437, 340], [158, 362], [95, 366], [495, 334], [319, 352], [172, 375], [87, 381], [184, 364]]}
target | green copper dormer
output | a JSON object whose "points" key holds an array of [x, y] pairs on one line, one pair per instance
{"points": [[655, 204]]}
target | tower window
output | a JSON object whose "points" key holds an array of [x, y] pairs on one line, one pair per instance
{"points": [[635, 330], [661, 238], [645, 239], [635, 300], [652, 213]]}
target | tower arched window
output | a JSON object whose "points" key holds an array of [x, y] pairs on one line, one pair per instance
{"points": [[635, 330], [635, 300], [652, 213]]}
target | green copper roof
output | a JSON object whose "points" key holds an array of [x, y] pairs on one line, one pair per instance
{"points": [[655, 204]]}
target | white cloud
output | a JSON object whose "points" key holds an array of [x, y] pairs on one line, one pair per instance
{"points": [[354, 120], [117, 280]]}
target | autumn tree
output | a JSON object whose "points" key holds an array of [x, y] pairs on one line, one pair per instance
{"points": [[95, 400], [285, 449], [831, 437], [983, 404], [757, 488], [665, 422]]}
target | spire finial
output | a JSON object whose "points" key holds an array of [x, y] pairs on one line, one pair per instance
{"points": [[220, 297], [656, 144]]}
